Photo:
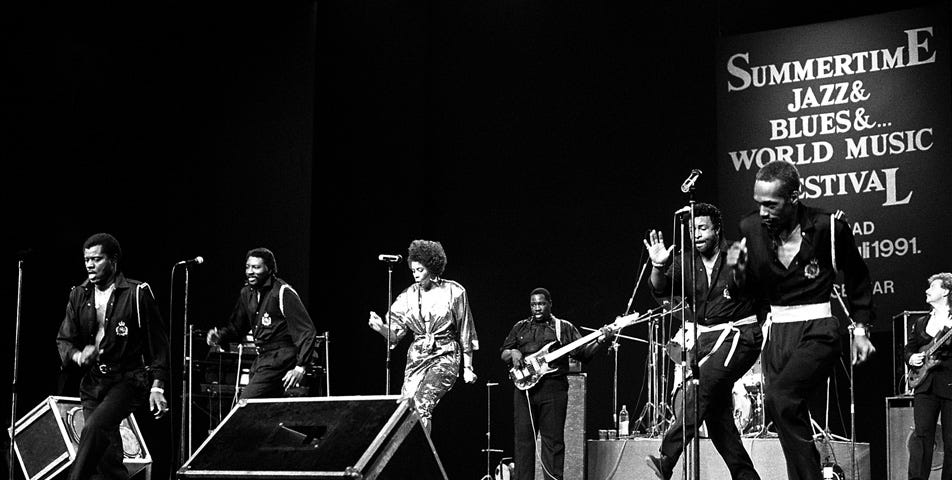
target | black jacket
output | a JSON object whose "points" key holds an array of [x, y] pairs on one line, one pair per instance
{"points": [[939, 378], [135, 332], [279, 317]]}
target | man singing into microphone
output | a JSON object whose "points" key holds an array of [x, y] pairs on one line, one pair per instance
{"points": [[113, 328], [728, 339], [789, 256], [283, 331]]}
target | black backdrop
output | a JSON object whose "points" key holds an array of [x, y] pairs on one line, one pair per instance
{"points": [[537, 140]]}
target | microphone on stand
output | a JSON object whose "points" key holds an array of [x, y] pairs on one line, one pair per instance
{"points": [[389, 258], [683, 210], [689, 182], [192, 261]]}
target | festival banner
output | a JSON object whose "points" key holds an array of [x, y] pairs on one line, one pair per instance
{"points": [[862, 108]]}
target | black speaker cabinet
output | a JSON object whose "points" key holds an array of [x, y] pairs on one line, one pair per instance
{"points": [[362, 437], [574, 432], [46, 439], [899, 427]]}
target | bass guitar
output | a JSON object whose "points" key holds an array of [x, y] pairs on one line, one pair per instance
{"points": [[918, 374], [536, 365]]}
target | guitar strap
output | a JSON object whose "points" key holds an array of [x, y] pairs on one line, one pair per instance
{"points": [[558, 329]]}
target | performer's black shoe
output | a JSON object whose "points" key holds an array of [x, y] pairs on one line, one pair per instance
{"points": [[656, 464]]}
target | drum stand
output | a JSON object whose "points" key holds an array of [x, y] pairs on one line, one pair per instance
{"points": [[824, 432], [653, 415]]}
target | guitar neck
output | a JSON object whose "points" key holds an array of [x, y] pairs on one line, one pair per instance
{"points": [[560, 352], [935, 346], [616, 325]]}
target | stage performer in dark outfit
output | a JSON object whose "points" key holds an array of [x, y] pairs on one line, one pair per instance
{"points": [[788, 255], [933, 396], [728, 337], [544, 405], [283, 331], [113, 328]]}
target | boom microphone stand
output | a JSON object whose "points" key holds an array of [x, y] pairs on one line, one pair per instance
{"points": [[651, 364]]}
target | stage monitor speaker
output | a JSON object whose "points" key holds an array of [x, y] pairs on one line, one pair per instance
{"points": [[899, 427], [46, 440], [574, 432], [369, 437]]}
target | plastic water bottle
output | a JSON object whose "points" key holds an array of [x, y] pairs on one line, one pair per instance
{"points": [[623, 422]]}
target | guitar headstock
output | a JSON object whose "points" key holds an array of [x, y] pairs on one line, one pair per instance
{"points": [[624, 321]]}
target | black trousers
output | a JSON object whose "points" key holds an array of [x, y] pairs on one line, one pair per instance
{"points": [[926, 408], [107, 400], [267, 373], [547, 403], [797, 359], [716, 403]]}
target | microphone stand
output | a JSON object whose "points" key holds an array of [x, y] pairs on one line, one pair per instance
{"points": [[185, 444], [685, 367], [851, 328], [489, 450], [697, 380], [16, 367], [389, 334]]}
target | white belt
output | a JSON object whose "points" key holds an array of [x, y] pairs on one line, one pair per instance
{"points": [[726, 329], [795, 313]]}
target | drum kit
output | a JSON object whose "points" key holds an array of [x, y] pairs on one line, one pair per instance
{"points": [[748, 395], [749, 403]]}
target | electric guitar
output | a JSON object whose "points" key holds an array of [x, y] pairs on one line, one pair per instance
{"points": [[536, 365], [917, 374]]}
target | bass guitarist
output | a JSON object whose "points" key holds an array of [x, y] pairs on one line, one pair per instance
{"points": [[933, 393], [542, 407]]}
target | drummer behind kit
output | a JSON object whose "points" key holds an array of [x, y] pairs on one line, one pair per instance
{"points": [[748, 390]]}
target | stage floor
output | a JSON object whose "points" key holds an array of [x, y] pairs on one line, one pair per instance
{"points": [[625, 459]]}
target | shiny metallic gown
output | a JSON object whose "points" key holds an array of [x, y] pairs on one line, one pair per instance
{"points": [[442, 327]]}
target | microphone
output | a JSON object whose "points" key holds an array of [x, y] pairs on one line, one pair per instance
{"points": [[689, 182], [491, 384], [193, 261], [389, 258], [684, 209]]}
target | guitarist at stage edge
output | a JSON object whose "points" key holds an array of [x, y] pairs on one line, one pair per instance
{"points": [[933, 394], [543, 406]]}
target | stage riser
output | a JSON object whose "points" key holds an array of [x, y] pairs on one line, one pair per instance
{"points": [[603, 456]]}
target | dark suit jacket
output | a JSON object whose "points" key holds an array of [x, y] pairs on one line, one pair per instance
{"points": [[939, 379]]}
